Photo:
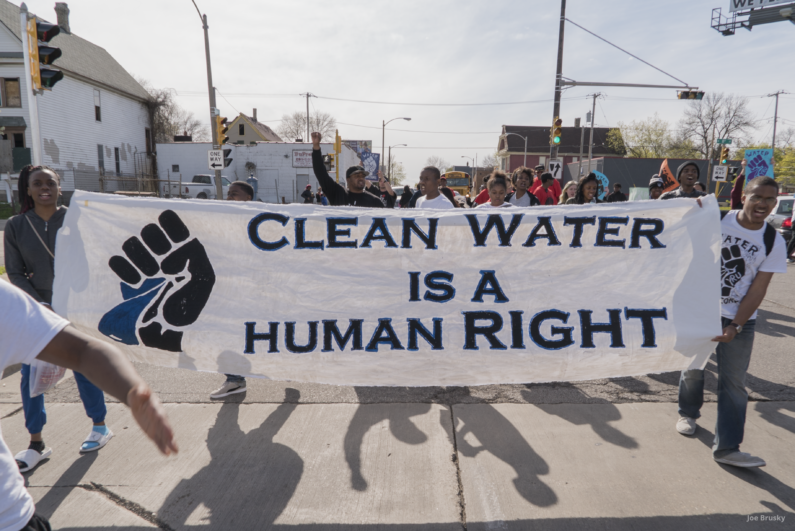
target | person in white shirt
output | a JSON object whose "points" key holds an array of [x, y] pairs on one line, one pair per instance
{"points": [[31, 331], [498, 189], [751, 251], [430, 178]]}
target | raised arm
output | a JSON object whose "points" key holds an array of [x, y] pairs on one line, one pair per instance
{"points": [[333, 190]]}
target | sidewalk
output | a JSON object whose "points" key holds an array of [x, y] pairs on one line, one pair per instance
{"points": [[400, 466]]}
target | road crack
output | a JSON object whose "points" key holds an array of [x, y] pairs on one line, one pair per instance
{"points": [[456, 461], [133, 507]]}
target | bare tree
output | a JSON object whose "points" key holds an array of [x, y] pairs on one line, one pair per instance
{"points": [[490, 161], [293, 126], [397, 174], [169, 119], [437, 162], [725, 116], [650, 138]]}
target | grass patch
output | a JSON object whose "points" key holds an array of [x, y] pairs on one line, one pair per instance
{"points": [[2, 270], [5, 211]]}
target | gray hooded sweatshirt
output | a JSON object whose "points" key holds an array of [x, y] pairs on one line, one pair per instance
{"points": [[28, 264]]}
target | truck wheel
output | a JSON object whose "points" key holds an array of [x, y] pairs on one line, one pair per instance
{"points": [[201, 195]]}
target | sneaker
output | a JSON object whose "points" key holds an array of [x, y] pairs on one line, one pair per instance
{"points": [[686, 426], [96, 440], [791, 260], [229, 388], [741, 459]]}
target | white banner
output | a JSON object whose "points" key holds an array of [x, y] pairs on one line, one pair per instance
{"points": [[355, 296], [744, 5]]}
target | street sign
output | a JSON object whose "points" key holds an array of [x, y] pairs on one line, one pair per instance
{"points": [[719, 173], [215, 159], [724, 141], [556, 168]]}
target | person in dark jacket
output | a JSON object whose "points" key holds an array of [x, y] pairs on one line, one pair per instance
{"points": [[617, 196], [687, 174], [308, 195], [29, 242], [587, 191], [405, 197], [336, 194]]}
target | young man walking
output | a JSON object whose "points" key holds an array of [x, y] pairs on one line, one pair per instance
{"points": [[751, 251], [336, 194], [617, 196], [538, 183], [687, 174], [430, 178]]}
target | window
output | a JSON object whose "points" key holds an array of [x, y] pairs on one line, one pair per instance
{"points": [[225, 181], [148, 139], [241, 129], [118, 162], [19, 140], [101, 158], [11, 95], [97, 108], [175, 168], [203, 179]]}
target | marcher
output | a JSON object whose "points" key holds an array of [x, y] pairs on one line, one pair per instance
{"points": [[791, 246], [617, 196], [30, 331], [238, 191], [319, 195], [737, 190], [522, 177], [483, 196], [450, 196], [751, 252], [687, 174], [430, 178], [405, 197], [537, 183], [497, 188], [30, 264], [544, 193], [307, 194], [336, 194], [385, 192], [656, 186], [419, 193], [587, 191], [569, 191]]}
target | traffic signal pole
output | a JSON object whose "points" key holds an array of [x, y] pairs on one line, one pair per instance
{"points": [[33, 103], [553, 150]]}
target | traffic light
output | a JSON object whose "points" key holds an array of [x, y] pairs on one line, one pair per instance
{"points": [[724, 155], [227, 158], [220, 129], [690, 95], [39, 32], [328, 161], [555, 133]]}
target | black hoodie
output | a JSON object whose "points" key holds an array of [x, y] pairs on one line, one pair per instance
{"points": [[673, 194]]}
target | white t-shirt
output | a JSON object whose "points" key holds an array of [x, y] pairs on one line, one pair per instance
{"points": [[742, 257], [438, 203], [489, 205], [523, 201], [26, 327]]}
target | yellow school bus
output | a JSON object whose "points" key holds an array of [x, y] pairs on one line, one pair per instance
{"points": [[459, 181]]}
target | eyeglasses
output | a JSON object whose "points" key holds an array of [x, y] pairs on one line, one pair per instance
{"points": [[767, 201]]}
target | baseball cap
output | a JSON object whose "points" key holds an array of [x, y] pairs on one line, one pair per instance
{"points": [[356, 169], [540, 167], [656, 182]]}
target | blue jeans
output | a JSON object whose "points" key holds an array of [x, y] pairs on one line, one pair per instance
{"points": [[35, 414], [733, 360]]}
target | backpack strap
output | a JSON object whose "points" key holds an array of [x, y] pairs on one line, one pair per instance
{"points": [[770, 238]]}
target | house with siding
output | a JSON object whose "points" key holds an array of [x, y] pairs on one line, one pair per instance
{"points": [[94, 123], [247, 130]]}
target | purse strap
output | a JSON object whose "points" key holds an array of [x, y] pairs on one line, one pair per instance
{"points": [[39, 237]]}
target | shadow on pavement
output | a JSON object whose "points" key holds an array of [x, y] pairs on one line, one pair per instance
{"points": [[68, 481], [772, 412], [768, 328], [367, 416], [249, 480]]}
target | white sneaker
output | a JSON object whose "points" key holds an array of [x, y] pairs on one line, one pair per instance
{"points": [[95, 437], [686, 426], [229, 388], [741, 459]]}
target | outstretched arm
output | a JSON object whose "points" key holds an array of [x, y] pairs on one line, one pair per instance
{"points": [[333, 190], [107, 368]]}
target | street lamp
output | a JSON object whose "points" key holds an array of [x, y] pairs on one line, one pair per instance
{"points": [[389, 168], [474, 169], [383, 128], [525, 148]]}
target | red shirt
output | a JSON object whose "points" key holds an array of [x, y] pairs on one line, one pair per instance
{"points": [[545, 197], [483, 197], [554, 190]]}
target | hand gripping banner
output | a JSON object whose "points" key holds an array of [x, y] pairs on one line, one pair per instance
{"points": [[354, 296]]}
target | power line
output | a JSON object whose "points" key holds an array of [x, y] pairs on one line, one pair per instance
{"points": [[430, 132], [438, 104]]}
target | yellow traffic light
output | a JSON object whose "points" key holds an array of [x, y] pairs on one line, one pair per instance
{"points": [[220, 130], [724, 155], [42, 78], [556, 132]]}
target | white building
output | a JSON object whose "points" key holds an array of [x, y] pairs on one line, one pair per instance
{"points": [[94, 121], [283, 169]]}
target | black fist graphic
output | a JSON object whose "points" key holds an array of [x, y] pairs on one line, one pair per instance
{"points": [[732, 268], [161, 295]]}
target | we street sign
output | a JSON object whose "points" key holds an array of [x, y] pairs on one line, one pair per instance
{"points": [[724, 141], [719, 173], [215, 158], [556, 168]]}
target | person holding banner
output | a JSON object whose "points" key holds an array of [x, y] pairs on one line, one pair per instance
{"points": [[587, 191], [336, 194], [687, 174], [30, 263], [521, 196], [569, 191], [30, 331], [430, 178], [751, 252], [497, 189], [545, 193]]}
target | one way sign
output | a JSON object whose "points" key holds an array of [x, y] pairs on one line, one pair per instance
{"points": [[556, 168], [215, 159]]}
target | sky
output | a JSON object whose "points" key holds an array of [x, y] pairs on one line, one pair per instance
{"points": [[265, 53]]}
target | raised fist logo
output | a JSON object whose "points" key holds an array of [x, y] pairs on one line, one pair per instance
{"points": [[177, 276], [732, 268], [757, 166]]}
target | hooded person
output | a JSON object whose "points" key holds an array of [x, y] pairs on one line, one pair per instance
{"points": [[656, 186], [687, 174]]}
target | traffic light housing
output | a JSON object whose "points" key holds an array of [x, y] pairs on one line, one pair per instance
{"points": [[556, 132], [227, 158], [220, 129], [39, 34], [724, 155], [690, 94], [328, 161]]}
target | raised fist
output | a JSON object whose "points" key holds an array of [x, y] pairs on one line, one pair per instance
{"points": [[178, 278], [316, 137], [732, 268], [756, 166]]}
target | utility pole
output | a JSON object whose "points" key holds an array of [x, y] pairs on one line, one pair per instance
{"points": [[308, 95], [553, 150], [33, 105], [775, 117], [582, 141], [711, 154], [593, 119], [219, 189]]}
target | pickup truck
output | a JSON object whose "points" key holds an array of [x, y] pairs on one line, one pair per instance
{"points": [[200, 187]]}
